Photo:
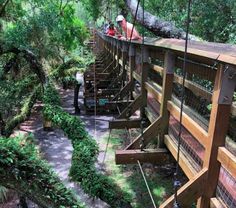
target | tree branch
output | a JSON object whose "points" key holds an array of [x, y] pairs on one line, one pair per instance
{"points": [[157, 25], [2, 9], [32, 60]]}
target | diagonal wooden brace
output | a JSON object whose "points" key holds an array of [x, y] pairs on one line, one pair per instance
{"points": [[131, 108], [123, 92], [148, 135], [188, 193]]}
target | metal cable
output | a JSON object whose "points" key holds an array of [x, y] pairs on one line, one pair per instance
{"points": [[176, 181], [105, 152], [142, 47], [95, 89], [146, 183]]}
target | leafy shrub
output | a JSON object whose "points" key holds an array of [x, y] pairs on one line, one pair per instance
{"points": [[3, 194], [25, 112], [85, 154], [23, 170]]}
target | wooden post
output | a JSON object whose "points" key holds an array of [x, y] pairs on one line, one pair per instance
{"points": [[114, 53], [119, 47], [168, 77], [131, 61], [124, 56], [225, 83], [131, 67], [144, 77]]}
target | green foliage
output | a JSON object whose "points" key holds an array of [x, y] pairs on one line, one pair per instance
{"points": [[23, 170], [23, 115], [45, 27], [17, 98], [212, 20], [3, 194], [65, 73], [93, 7], [85, 152]]}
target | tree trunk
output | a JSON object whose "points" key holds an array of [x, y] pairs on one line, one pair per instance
{"points": [[156, 25], [76, 96], [23, 203]]}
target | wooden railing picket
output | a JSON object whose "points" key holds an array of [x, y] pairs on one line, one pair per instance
{"points": [[168, 76], [144, 78]]}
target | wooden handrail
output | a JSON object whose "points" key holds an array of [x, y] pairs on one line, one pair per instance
{"points": [[196, 50], [214, 63]]}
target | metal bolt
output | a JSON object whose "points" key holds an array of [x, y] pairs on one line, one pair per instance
{"points": [[176, 205], [226, 98], [231, 76], [226, 68]]}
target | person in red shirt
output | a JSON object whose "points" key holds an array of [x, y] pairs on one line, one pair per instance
{"points": [[111, 30]]}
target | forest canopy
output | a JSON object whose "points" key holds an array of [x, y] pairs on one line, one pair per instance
{"points": [[213, 20]]}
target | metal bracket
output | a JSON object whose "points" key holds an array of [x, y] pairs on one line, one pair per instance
{"points": [[145, 54], [124, 47], [119, 44], [116, 42], [169, 62], [138, 58], [228, 85], [131, 50]]}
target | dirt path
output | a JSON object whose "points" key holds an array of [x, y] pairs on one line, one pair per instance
{"points": [[56, 147]]}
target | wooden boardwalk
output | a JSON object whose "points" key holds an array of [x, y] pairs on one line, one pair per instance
{"points": [[155, 92]]}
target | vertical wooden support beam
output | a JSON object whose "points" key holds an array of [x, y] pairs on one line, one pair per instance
{"points": [[131, 67], [118, 49], [144, 78], [225, 84], [109, 52], [113, 50], [131, 61], [124, 56], [168, 77], [113, 54]]}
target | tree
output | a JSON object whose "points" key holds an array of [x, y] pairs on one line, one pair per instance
{"points": [[35, 36], [212, 20]]}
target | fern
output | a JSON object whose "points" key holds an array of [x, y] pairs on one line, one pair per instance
{"points": [[3, 194]]}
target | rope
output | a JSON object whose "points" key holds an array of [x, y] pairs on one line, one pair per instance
{"points": [[135, 16], [141, 113], [95, 97], [177, 183], [105, 152], [142, 138], [146, 183]]}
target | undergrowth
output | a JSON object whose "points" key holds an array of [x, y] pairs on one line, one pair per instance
{"points": [[85, 154], [23, 115], [22, 170], [130, 179]]}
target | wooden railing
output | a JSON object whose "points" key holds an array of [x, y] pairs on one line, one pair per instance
{"points": [[204, 157]]}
